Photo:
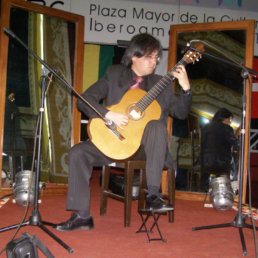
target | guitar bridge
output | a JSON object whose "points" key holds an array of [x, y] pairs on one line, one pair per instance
{"points": [[119, 135], [111, 126]]}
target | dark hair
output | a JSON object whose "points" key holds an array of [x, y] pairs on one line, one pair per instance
{"points": [[222, 114], [140, 45]]}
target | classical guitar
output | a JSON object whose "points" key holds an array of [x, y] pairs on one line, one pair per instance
{"points": [[141, 107]]}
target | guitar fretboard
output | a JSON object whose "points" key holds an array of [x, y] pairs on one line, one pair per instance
{"points": [[154, 92]]}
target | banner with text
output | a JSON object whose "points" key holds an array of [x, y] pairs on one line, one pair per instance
{"points": [[109, 21]]}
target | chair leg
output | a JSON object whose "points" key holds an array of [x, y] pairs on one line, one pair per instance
{"points": [[104, 189], [143, 186], [128, 184], [171, 192]]}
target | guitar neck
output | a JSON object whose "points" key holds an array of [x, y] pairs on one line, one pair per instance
{"points": [[154, 92]]}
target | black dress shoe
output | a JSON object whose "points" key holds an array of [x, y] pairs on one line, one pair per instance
{"points": [[75, 222], [154, 202]]}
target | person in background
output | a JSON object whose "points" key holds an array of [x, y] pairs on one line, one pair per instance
{"points": [[139, 60], [218, 145]]}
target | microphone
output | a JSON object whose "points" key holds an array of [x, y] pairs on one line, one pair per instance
{"points": [[44, 71], [44, 76], [189, 46], [45, 79]]}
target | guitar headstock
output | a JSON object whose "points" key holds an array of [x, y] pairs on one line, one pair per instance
{"points": [[191, 56]]}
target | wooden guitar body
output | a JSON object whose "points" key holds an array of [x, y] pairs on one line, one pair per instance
{"points": [[108, 143]]}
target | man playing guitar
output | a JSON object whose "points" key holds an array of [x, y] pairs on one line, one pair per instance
{"points": [[140, 59]]}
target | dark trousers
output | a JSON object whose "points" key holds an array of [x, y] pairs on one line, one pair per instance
{"points": [[84, 156]]}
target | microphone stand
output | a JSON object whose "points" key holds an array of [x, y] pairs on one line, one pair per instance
{"points": [[239, 221], [35, 218]]}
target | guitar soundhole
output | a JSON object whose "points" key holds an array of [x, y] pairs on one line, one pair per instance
{"points": [[134, 112]]}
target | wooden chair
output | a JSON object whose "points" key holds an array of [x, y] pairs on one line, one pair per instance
{"points": [[130, 166]]}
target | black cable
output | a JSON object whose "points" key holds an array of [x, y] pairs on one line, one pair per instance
{"points": [[7, 195]]}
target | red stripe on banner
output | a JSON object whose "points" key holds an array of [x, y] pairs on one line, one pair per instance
{"points": [[256, 69], [254, 106]]}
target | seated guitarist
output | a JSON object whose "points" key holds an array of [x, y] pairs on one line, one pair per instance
{"points": [[140, 59]]}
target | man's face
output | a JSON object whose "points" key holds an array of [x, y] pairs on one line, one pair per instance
{"points": [[146, 64], [227, 121]]}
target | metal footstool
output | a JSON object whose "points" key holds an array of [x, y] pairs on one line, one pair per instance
{"points": [[145, 215]]}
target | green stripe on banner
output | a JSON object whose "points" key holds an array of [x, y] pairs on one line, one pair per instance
{"points": [[105, 58]]}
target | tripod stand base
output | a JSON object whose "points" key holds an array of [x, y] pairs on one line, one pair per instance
{"points": [[35, 220], [238, 222]]}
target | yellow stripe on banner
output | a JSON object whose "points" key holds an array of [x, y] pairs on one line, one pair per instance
{"points": [[91, 65]]}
